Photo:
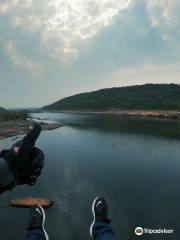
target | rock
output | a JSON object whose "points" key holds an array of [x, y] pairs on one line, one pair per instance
{"points": [[12, 128], [156, 114]]}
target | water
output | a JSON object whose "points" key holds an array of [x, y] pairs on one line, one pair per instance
{"points": [[134, 163]]}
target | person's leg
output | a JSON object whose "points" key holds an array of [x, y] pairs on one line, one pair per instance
{"points": [[35, 234], [36, 222], [100, 228]]}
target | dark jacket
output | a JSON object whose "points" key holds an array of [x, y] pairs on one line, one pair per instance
{"points": [[7, 179]]}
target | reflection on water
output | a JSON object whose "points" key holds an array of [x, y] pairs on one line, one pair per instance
{"points": [[133, 162], [168, 128]]}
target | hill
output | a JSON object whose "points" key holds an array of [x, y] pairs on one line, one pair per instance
{"points": [[145, 97], [2, 109]]}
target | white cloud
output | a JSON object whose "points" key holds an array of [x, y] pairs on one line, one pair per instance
{"points": [[164, 15], [8, 5], [82, 19], [22, 62], [11, 4], [161, 11], [151, 67], [66, 23], [61, 26], [141, 74]]}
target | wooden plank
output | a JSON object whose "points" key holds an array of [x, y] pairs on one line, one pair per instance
{"points": [[30, 201]]}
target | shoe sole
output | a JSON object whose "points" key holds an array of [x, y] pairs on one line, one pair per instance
{"points": [[93, 212], [44, 218]]}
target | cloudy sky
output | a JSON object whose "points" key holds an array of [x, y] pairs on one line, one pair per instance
{"points": [[51, 49]]}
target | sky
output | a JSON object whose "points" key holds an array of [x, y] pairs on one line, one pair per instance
{"points": [[57, 48]]}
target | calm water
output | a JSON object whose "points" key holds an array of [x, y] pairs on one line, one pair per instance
{"points": [[134, 163]]}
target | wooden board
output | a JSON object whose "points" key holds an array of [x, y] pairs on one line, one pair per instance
{"points": [[29, 202]]}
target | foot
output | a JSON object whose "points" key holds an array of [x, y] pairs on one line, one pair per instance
{"points": [[37, 219], [99, 211]]}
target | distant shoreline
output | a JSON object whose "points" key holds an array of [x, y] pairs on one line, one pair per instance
{"points": [[172, 114]]}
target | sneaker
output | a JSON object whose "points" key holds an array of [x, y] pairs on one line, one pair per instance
{"points": [[37, 219], [99, 211]]}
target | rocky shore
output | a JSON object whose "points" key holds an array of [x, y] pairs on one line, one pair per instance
{"points": [[157, 114], [166, 114], [11, 128]]}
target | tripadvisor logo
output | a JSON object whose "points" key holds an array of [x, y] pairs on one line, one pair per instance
{"points": [[139, 231]]}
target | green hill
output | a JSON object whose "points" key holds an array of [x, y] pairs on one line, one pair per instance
{"points": [[145, 97], [2, 109]]}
